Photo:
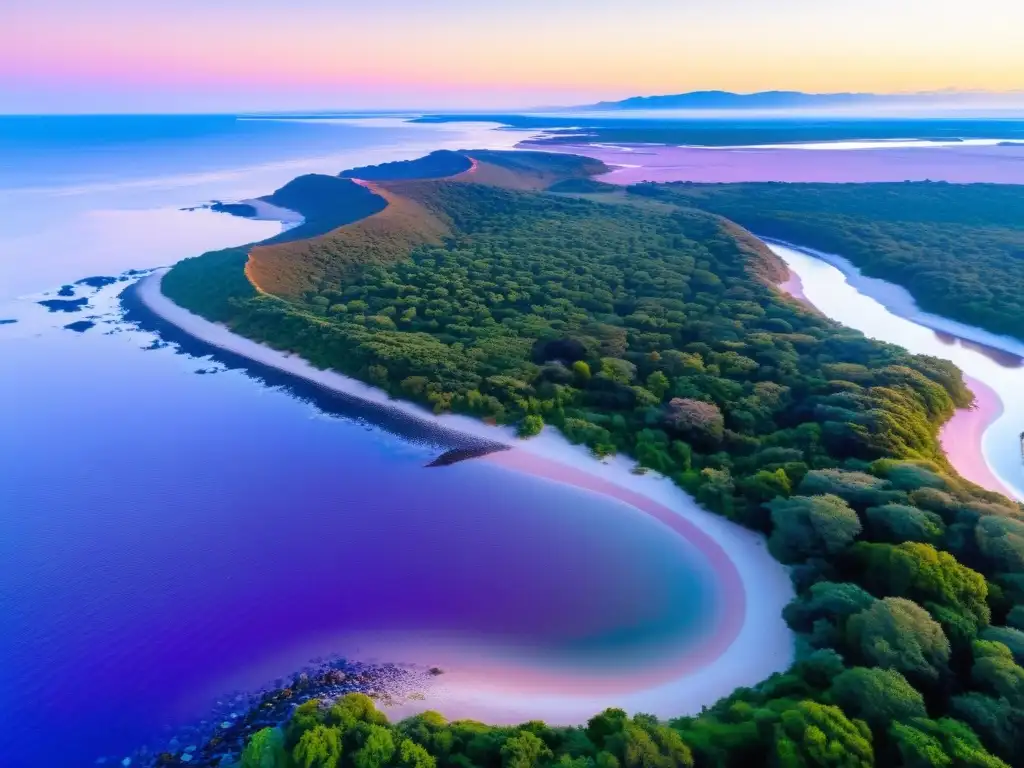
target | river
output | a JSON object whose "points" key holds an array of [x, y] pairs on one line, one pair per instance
{"points": [[887, 312]]}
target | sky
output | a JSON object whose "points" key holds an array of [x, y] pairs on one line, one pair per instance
{"points": [[230, 55]]}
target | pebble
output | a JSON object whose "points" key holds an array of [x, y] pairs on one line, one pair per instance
{"points": [[126, 762], [187, 757]]}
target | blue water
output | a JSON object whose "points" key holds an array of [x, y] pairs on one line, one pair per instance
{"points": [[172, 526]]}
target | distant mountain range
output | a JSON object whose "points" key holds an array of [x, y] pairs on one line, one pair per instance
{"points": [[778, 100]]}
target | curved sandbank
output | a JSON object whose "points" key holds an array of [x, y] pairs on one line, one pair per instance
{"points": [[959, 163], [749, 642], [981, 443], [962, 437]]}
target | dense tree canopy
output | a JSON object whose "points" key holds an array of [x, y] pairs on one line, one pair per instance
{"points": [[654, 331], [956, 247]]}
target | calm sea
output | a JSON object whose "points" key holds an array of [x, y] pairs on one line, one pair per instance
{"points": [[173, 528]]}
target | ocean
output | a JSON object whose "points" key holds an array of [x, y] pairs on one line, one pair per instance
{"points": [[176, 527]]}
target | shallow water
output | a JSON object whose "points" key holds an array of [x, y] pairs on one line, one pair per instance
{"points": [[168, 536], [847, 297]]}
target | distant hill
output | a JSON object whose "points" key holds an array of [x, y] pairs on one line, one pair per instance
{"points": [[325, 202], [437, 165], [728, 100]]}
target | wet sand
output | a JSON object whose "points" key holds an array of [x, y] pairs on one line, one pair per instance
{"points": [[962, 437], [793, 287], [749, 640]]}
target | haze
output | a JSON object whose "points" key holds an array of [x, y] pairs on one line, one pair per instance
{"points": [[193, 55]]}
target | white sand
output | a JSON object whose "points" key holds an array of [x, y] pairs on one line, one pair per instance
{"points": [[764, 645], [900, 302]]}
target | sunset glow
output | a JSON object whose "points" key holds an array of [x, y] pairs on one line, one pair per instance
{"points": [[60, 55]]}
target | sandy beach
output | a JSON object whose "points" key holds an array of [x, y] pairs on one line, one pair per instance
{"points": [[962, 437], [750, 640], [793, 287]]}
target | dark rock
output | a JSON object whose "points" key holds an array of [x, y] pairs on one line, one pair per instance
{"points": [[80, 326], [243, 210], [64, 305], [66, 290], [100, 281]]}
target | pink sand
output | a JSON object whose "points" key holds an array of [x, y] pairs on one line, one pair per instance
{"points": [[961, 437], [793, 287]]}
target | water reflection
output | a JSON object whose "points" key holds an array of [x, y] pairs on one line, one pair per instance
{"points": [[999, 356]]}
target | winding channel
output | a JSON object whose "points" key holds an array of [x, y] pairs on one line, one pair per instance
{"points": [[984, 443]]}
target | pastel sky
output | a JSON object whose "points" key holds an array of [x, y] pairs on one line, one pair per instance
{"points": [[223, 55]]}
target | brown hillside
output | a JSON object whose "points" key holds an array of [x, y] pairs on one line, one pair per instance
{"points": [[291, 269], [414, 216]]}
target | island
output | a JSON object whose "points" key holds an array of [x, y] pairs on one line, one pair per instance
{"points": [[651, 325]]}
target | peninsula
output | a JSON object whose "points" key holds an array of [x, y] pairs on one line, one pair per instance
{"points": [[644, 326]]}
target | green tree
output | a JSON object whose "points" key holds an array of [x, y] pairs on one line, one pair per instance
{"points": [[826, 600], [813, 734], [857, 488], [1009, 637], [319, 747], [531, 425], [878, 696], [658, 383], [1001, 540], [377, 749], [524, 750], [606, 724], [996, 672], [808, 526], [413, 755], [895, 633], [923, 574], [924, 743], [897, 523], [265, 750], [996, 721]]}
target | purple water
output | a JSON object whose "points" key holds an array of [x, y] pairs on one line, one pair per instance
{"points": [[959, 164], [166, 537], [165, 530]]}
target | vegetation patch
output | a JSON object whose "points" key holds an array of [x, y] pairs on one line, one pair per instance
{"points": [[437, 165], [655, 331], [958, 248]]}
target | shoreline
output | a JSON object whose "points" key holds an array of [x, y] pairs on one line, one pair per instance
{"points": [[900, 302], [793, 287], [962, 437], [751, 641]]}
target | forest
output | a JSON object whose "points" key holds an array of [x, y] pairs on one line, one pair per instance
{"points": [[958, 248], [436, 165], [656, 331]]}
